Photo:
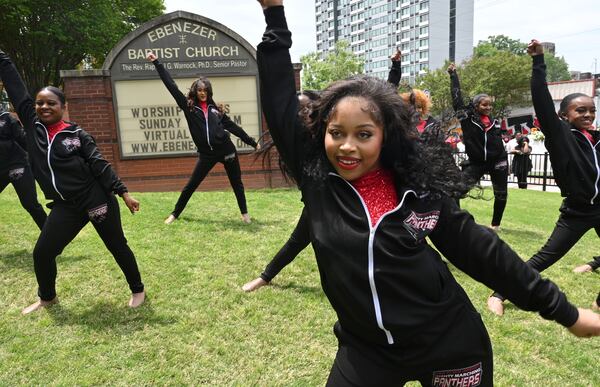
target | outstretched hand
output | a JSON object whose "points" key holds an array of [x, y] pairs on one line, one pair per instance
{"points": [[151, 57], [535, 48], [131, 203], [270, 3], [451, 69], [587, 325]]}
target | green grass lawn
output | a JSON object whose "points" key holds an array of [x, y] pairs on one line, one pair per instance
{"points": [[198, 327]]}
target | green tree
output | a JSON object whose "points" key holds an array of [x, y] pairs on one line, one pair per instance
{"points": [[338, 64], [43, 38], [557, 68], [502, 75], [497, 43]]}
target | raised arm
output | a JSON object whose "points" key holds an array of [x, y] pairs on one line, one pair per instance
{"points": [[481, 254], [170, 84], [540, 95], [395, 73], [232, 127], [278, 87], [17, 92], [457, 100]]}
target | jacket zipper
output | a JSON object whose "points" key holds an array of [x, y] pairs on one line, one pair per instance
{"points": [[484, 137], [206, 121], [50, 142], [371, 258], [595, 162]]}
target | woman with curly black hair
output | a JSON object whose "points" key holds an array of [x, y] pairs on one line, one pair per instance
{"points": [[373, 194], [210, 129]]}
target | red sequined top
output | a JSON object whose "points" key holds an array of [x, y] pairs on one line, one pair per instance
{"points": [[378, 192]]}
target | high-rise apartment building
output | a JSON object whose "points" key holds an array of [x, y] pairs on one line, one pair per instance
{"points": [[426, 31]]}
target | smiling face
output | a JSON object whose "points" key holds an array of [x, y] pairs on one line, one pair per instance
{"points": [[581, 112], [352, 139], [484, 106], [202, 92], [48, 107]]}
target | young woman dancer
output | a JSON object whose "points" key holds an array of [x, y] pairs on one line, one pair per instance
{"points": [[575, 156], [416, 97], [210, 129], [483, 144], [372, 197], [15, 169], [73, 174]]}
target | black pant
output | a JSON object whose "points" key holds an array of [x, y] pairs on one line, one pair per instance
{"points": [[299, 239], [24, 184], [573, 222], [522, 179], [498, 171], [461, 357], [65, 221], [203, 166]]}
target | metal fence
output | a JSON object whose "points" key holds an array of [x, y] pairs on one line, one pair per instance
{"points": [[541, 173]]}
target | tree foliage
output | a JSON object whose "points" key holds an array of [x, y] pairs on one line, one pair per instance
{"points": [[496, 43], [43, 38], [557, 68], [338, 64]]}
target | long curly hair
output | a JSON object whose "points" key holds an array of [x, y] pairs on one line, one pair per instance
{"points": [[306, 99], [192, 96], [424, 164]]}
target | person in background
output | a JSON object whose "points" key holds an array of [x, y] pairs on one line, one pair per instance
{"points": [[521, 162], [209, 127], [15, 169], [482, 136]]}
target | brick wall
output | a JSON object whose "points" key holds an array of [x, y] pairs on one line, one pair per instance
{"points": [[90, 104]]}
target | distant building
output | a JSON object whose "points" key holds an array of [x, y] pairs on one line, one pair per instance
{"points": [[428, 32], [549, 47]]}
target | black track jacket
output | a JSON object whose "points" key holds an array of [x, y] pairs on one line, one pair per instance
{"points": [[386, 284], [480, 145], [12, 143], [575, 160], [212, 136], [67, 166]]}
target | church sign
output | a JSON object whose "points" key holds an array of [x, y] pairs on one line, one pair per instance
{"points": [[149, 123]]}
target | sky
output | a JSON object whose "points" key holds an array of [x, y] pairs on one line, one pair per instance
{"points": [[574, 26]]}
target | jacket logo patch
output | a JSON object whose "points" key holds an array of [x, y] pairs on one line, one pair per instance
{"points": [[464, 377], [98, 214], [16, 174], [71, 143], [2, 123], [419, 225], [502, 164]]}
